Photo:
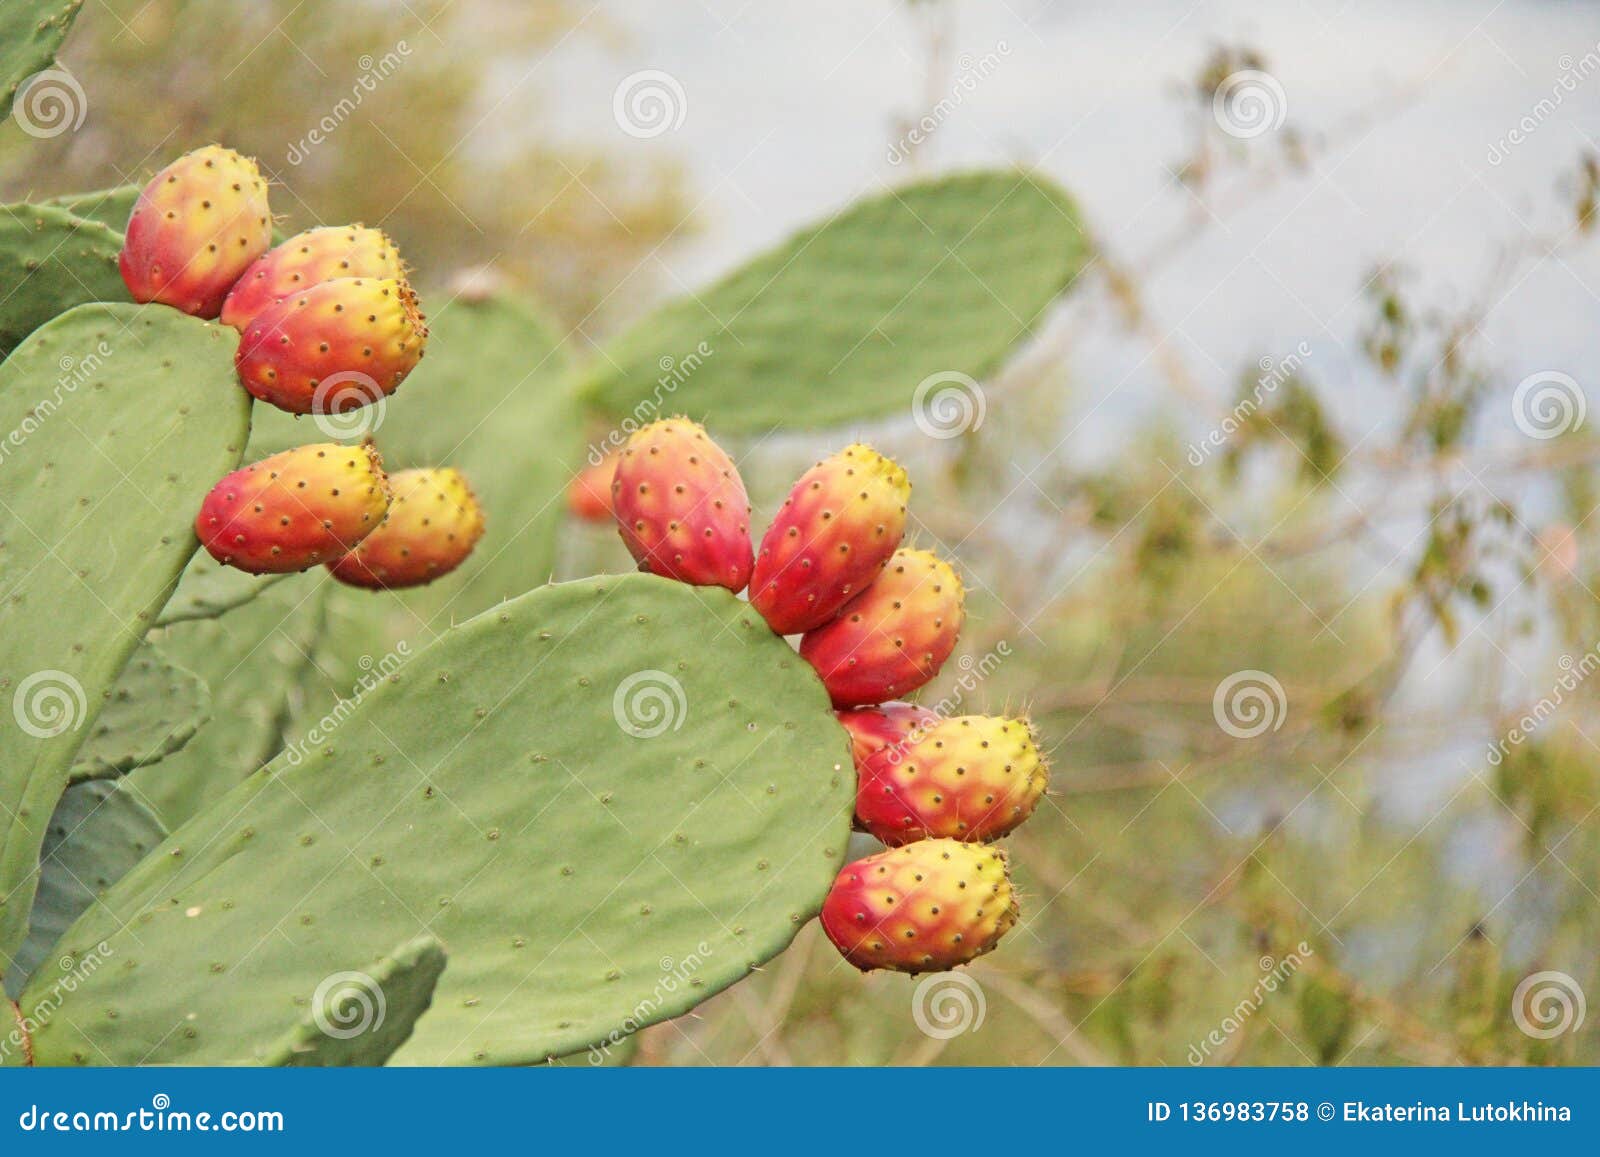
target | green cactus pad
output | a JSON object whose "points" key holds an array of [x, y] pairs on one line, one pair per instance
{"points": [[254, 658], [610, 799], [363, 1016], [114, 422], [31, 32], [96, 836], [51, 261], [110, 207], [845, 320], [154, 709]]}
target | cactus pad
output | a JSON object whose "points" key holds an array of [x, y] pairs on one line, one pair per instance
{"points": [[610, 798], [31, 32], [96, 408], [111, 207], [51, 261], [154, 709], [845, 320]]}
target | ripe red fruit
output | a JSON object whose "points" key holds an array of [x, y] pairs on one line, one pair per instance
{"points": [[926, 907], [872, 728], [308, 259], [972, 777], [337, 346], [838, 527], [294, 509], [433, 523], [894, 636], [194, 229], [681, 506], [589, 494]]}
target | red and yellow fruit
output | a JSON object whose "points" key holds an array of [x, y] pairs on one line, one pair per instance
{"points": [[873, 728], [334, 347], [837, 529], [308, 259], [681, 506], [295, 509], [433, 523], [195, 229], [972, 777], [926, 907], [894, 636]]}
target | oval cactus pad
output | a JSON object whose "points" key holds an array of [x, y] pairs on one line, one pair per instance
{"points": [[606, 799]]}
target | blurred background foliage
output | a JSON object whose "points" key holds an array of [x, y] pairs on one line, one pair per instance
{"points": [[1174, 865]]}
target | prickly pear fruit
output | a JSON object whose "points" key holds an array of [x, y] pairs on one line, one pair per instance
{"points": [[294, 509], [973, 777], [681, 506], [336, 346], [892, 637], [308, 259], [589, 494], [872, 728], [433, 523], [838, 527], [926, 907], [194, 229]]}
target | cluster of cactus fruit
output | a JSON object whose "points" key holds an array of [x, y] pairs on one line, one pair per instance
{"points": [[328, 324], [876, 621]]}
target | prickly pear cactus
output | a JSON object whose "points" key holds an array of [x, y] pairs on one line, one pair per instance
{"points": [[111, 207], [154, 709], [31, 32], [610, 799], [96, 836], [845, 320], [94, 532], [51, 261]]}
